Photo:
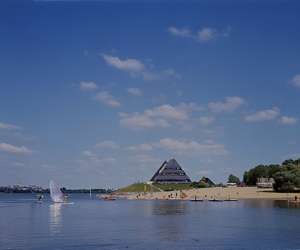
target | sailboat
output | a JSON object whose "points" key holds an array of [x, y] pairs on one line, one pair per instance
{"points": [[56, 194]]}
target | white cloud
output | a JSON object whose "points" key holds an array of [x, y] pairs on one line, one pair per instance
{"points": [[88, 153], [190, 146], [129, 64], [230, 104], [168, 111], [107, 99], [141, 121], [97, 159], [207, 34], [296, 80], [141, 147], [88, 86], [5, 147], [288, 120], [171, 73], [181, 32], [107, 145], [136, 68], [263, 115], [206, 120], [135, 91], [145, 159], [160, 116], [8, 126]]}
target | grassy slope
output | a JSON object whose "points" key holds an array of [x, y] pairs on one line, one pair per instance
{"points": [[143, 187]]}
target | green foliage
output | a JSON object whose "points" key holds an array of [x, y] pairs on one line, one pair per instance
{"points": [[233, 179], [139, 187], [199, 184], [286, 176], [156, 187], [267, 171]]}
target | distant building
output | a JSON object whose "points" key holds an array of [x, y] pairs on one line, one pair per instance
{"points": [[170, 172], [265, 182], [207, 181]]}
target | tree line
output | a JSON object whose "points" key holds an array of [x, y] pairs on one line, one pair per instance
{"points": [[286, 175]]}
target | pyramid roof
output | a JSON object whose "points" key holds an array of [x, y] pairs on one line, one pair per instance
{"points": [[170, 172]]}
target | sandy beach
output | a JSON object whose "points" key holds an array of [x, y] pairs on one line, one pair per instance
{"points": [[214, 193]]}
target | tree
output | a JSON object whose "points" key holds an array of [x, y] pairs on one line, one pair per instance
{"points": [[267, 171], [286, 175], [233, 179], [288, 178]]}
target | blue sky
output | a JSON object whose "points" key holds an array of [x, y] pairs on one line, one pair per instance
{"points": [[100, 93]]}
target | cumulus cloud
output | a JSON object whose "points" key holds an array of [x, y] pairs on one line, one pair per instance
{"points": [[206, 120], [288, 120], [263, 115], [8, 126], [8, 148], [97, 159], [160, 116], [137, 68], [106, 98], [168, 111], [88, 153], [204, 34], [141, 121], [230, 104], [107, 145], [296, 80], [145, 159], [141, 147], [129, 64], [135, 91], [171, 73], [190, 146], [182, 146], [88, 86], [181, 32]]}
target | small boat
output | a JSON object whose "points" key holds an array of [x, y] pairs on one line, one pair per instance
{"points": [[196, 200], [231, 200], [216, 200]]}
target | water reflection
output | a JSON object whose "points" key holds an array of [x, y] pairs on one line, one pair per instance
{"points": [[286, 204], [172, 214], [270, 204], [169, 208], [55, 218]]}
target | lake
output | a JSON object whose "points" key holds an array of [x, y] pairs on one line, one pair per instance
{"points": [[93, 224]]}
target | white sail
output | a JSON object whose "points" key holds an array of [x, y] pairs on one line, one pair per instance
{"points": [[55, 192]]}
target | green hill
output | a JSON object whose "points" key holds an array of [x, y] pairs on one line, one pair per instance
{"points": [[155, 187]]}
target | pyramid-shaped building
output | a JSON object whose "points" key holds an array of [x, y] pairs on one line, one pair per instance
{"points": [[170, 172]]}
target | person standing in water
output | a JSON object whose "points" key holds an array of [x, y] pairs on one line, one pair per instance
{"points": [[40, 197]]}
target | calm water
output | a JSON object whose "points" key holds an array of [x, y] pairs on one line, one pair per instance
{"points": [[93, 224]]}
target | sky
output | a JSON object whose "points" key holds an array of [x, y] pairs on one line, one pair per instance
{"points": [[100, 93]]}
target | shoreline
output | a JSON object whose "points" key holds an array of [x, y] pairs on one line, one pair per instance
{"points": [[217, 193]]}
